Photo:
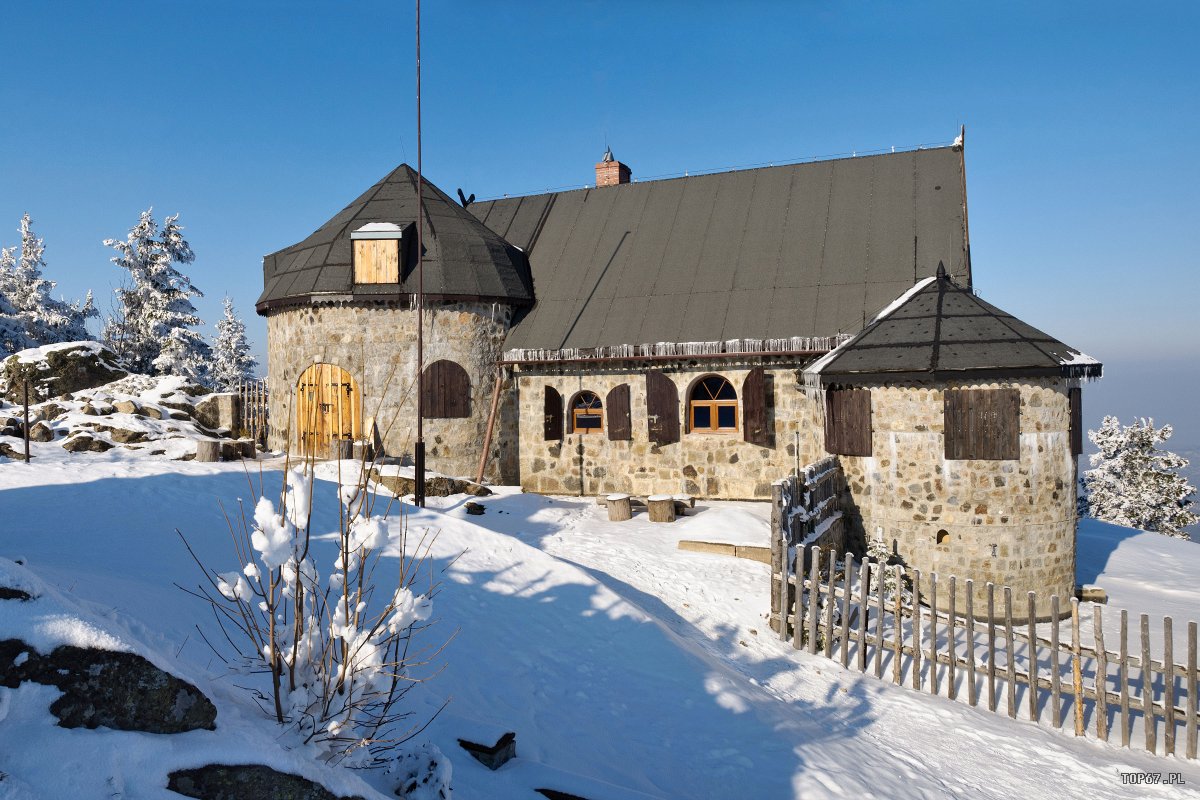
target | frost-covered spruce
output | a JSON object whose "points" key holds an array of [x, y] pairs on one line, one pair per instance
{"points": [[152, 328], [1134, 483], [232, 363], [29, 315]]}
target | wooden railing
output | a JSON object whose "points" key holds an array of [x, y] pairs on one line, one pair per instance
{"points": [[254, 397], [805, 510], [845, 611]]}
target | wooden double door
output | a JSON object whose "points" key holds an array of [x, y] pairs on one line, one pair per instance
{"points": [[328, 410]]}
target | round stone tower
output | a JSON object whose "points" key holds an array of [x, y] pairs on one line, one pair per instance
{"points": [[958, 428], [342, 328]]}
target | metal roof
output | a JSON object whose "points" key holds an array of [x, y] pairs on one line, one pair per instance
{"points": [[799, 250], [463, 258], [940, 330]]}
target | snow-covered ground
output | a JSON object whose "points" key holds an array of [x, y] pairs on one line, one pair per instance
{"points": [[626, 667]]}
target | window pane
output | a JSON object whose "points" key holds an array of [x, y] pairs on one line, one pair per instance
{"points": [[584, 421], [726, 416], [726, 391], [702, 417]]}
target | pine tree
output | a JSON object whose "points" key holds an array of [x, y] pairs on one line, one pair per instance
{"points": [[29, 315], [232, 362], [1133, 483], [152, 327]]}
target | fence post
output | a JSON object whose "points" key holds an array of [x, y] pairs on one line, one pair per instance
{"points": [[1124, 656], [918, 678], [830, 602], [1009, 653], [898, 619], [1076, 667], [864, 583], [1148, 688], [952, 644], [1101, 676], [1055, 676], [933, 645], [991, 670], [797, 594], [972, 694], [1032, 670], [814, 591], [880, 578], [1169, 686], [1192, 701], [778, 559], [847, 563]]}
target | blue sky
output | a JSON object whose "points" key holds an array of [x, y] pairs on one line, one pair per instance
{"points": [[259, 121]]}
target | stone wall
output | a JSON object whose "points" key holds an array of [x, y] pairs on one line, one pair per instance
{"points": [[702, 464], [1009, 522], [378, 347]]}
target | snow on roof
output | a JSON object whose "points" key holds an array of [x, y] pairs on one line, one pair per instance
{"points": [[378, 230]]}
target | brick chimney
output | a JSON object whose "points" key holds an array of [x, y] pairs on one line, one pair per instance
{"points": [[610, 172]]}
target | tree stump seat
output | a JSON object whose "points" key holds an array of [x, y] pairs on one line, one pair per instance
{"points": [[208, 450], [619, 507], [661, 507]]}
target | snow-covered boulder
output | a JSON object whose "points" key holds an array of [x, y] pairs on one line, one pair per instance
{"points": [[104, 688], [246, 780], [56, 370]]}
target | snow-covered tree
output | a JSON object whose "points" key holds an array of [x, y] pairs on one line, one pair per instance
{"points": [[152, 326], [29, 315], [232, 362], [1134, 483]]}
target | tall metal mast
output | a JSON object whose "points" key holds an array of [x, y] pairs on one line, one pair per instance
{"points": [[419, 454]]}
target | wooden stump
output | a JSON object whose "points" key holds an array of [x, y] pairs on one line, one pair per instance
{"points": [[619, 507], [682, 503], [247, 448], [661, 507], [208, 450]]}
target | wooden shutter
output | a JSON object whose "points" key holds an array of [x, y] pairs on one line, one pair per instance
{"points": [[620, 426], [376, 261], [1075, 400], [662, 408], [755, 428], [848, 421], [446, 391], [553, 425], [982, 424]]}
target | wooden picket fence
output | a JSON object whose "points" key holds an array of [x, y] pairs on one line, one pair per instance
{"points": [[254, 401], [842, 610]]}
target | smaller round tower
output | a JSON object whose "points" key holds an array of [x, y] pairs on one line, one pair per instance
{"points": [[342, 328], [962, 458]]}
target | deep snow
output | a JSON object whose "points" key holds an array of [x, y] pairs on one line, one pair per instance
{"points": [[627, 668]]}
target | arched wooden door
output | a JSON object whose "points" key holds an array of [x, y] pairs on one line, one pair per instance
{"points": [[328, 410]]}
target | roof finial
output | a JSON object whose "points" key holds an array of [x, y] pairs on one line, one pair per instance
{"points": [[608, 156], [941, 271]]}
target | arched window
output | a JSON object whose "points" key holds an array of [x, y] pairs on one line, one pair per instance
{"points": [[712, 406], [587, 413]]}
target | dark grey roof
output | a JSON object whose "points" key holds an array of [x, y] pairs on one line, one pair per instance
{"points": [[800, 250], [940, 330], [463, 258]]}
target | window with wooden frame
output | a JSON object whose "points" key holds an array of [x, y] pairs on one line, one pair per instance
{"points": [[587, 413], [983, 424], [713, 406], [848, 421]]}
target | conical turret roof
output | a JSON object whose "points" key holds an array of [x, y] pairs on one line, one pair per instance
{"points": [[939, 330], [464, 259]]}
